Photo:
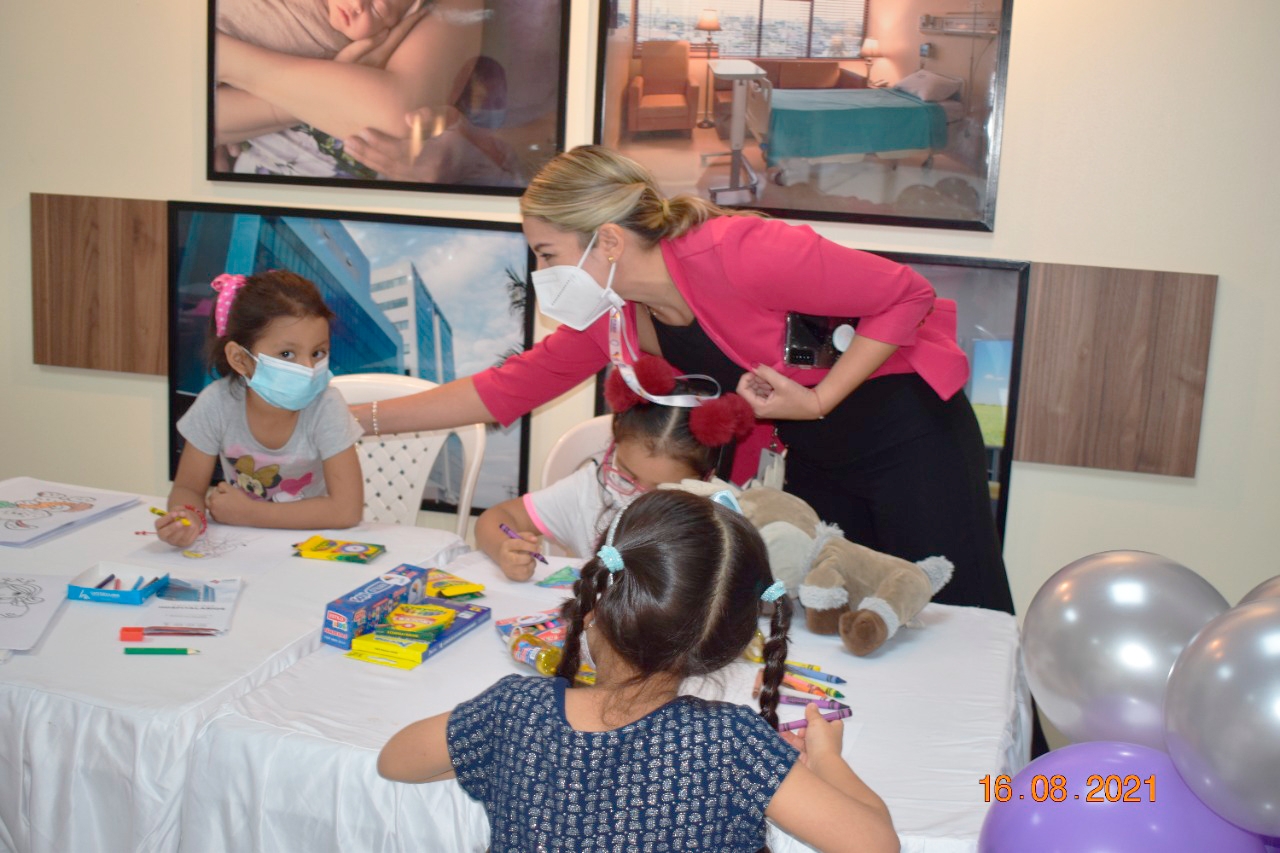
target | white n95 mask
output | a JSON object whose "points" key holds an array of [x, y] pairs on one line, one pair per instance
{"points": [[570, 295]]}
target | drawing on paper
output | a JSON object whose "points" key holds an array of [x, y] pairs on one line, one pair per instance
{"points": [[214, 545], [17, 595], [23, 514]]}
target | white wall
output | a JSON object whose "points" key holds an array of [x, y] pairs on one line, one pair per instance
{"points": [[1136, 135]]}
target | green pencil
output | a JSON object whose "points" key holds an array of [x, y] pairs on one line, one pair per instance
{"points": [[158, 651]]}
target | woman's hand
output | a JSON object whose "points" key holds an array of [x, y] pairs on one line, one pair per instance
{"points": [[229, 505], [773, 396], [430, 155]]}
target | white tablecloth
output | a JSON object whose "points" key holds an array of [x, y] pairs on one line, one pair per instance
{"points": [[290, 766], [94, 744]]}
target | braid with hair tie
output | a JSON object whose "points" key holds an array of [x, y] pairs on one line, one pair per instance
{"points": [[775, 655], [587, 591]]}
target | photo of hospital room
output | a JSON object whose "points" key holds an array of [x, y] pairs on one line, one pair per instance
{"points": [[824, 109]]}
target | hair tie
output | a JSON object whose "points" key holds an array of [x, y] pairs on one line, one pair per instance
{"points": [[775, 591], [227, 286], [609, 555]]}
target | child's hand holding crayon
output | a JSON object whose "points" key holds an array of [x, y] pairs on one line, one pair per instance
{"points": [[516, 554], [178, 527]]}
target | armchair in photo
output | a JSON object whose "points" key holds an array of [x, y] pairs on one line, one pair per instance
{"points": [[663, 96]]}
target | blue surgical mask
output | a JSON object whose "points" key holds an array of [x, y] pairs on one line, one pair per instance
{"points": [[287, 385]]}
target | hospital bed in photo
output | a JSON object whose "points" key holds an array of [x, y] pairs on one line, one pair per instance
{"points": [[803, 132]]}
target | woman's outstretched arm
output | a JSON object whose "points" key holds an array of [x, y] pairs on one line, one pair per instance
{"points": [[342, 98], [454, 404]]}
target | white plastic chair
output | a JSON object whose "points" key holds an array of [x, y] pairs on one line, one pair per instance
{"points": [[397, 467], [573, 449]]}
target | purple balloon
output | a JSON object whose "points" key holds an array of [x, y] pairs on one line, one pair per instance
{"points": [[1132, 814]]}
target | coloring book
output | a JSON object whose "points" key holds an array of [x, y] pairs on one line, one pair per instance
{"points": [[32, 509]]}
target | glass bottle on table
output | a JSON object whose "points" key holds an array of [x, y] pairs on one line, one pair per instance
{"points": [[544, 656]]}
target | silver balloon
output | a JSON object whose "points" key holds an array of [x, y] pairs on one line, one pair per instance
{"points": [[1222, 716], [1100, 638], [1266, 589]]}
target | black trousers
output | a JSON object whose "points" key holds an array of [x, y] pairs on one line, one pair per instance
{"points": [[904, 472]]}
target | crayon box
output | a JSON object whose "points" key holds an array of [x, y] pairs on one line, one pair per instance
{"points": [[358, 611]]}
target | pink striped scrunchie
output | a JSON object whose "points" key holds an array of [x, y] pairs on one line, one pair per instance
{"points": [[227, 285]]}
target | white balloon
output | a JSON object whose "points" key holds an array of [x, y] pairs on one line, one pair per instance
{"points": [[1100, 638], [1222, 716]]}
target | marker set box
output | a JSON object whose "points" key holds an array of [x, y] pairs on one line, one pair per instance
{"points": [[118, 583]]}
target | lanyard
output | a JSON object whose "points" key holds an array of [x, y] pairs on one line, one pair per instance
{"points": [[617, 335]]}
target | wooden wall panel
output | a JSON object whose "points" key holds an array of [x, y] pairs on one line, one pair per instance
{"points": [[1113, 368], [99, 283]]}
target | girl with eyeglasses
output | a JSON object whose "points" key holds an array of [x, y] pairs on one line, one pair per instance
{"points": [[652, 444]]}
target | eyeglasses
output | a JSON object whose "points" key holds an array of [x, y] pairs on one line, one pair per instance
{"points": [[615, 479]]}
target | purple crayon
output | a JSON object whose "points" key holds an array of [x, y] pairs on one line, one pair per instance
{"points": [[838, 714], [829, 704], [511, 534]]}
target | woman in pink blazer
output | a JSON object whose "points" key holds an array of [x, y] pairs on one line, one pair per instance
{"points": [[883, 444]]}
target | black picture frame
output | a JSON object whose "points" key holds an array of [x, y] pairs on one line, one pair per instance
{"points": [[474, 274], [834, 174], [504, 115]]}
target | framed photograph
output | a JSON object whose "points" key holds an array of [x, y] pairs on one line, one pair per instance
{"points": [[434, 298], [457, 95], [821, 109]]}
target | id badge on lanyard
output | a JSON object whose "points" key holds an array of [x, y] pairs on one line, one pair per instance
{"points": [[772, 469]]}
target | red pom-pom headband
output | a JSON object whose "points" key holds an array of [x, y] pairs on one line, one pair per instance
{"points": [[715, 421]]}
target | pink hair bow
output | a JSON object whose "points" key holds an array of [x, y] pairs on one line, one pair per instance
{"points": [[227, 286]]}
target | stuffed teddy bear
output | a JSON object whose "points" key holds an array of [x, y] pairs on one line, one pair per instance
{"points": [[828, 572]]}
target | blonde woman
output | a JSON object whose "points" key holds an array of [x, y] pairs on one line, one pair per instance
{"points": [[884, 443]]}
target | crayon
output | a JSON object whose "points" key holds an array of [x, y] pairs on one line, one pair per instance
{"points": [[146, 650], [838, 714], [186, 522], [814, 674], [827, 704], [797, 683], [511, 534]]}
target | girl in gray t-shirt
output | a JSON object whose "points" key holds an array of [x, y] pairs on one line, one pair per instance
{"points": [[285, 440]]}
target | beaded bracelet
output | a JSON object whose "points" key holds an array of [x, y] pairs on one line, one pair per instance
{"points": [[374, 409], [204, 524]]}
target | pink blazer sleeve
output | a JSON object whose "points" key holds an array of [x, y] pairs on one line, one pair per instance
{"points": [[555, 364]]}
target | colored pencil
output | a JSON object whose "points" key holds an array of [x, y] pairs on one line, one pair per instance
{"points": [[186, 522], [146, 650]]}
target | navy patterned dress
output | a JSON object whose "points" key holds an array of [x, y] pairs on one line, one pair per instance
{"points": [[691, 775]]}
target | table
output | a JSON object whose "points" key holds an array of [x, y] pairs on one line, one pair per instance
{"points": [[740, 71], [291, 765], [95, 745]]}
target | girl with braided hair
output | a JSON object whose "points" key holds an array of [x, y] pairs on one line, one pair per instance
{"points": [[653, 443], [630, 762]]}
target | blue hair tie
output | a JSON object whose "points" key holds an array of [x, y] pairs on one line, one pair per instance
{"points": [[611, 558], [775, 591], [609, 555]]}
